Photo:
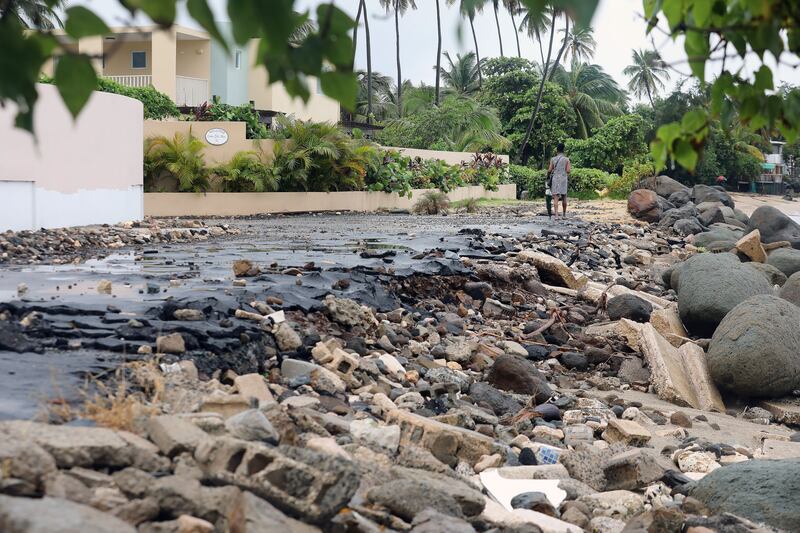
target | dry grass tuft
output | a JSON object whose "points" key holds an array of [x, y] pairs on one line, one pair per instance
{"points": [[432, 203]]}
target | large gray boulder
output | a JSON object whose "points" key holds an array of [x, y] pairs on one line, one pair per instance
{"points": [[669, 217], [704, 193], [787, 260], [663, 186], [774, 226], [721, 234], [680, 198], [515, 374], [791, 289], [773, 275], [762, 491], [755, 351], [713, 284], [687, 226]]}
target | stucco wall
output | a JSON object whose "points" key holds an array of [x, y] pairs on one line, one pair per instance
{"points": [[452, 158], [87, 171], [213, 154], [228, 82], [194, 58], [118, 58], [241, 204]]}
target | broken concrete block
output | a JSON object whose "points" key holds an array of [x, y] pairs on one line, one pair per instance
{"points": [[632, 470], [552, 270], [503, 489], [667, 321], [253, 386], [785, 411], [696, 371], [226, 405], [297, 481], [750, 245], [627, 431], [666, 368], [322, 379], [447, 443], [338, 361], [174, 434]]}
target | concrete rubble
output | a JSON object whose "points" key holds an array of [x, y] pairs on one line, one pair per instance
{"points": [[487, 390]]}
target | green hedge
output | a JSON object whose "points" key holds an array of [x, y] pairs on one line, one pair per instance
{"points": [[581, 180]]}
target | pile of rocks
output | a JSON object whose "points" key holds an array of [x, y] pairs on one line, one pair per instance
{"points": [[506, 392], [684, 210], [63, 245]]}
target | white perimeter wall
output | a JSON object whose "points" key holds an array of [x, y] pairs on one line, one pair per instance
{"points": [[72, 173]]}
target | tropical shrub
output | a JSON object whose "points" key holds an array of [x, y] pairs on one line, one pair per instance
{"points": [[179, 159], [392, 175], [459, 124], [618, 140], [747, 167], [632, 172], [432, 203], [246, 113], [581, 180], [246, 172], [321, 157], [157, 105]]}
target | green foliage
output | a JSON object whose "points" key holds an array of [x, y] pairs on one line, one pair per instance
{"points": [[179, 159], [321, 157], [747, 167], [432, 203], [632, 172], [241, 113], [289, 48], [620, 139], [157, 105], [246, 172], [458, 124], [500, 66], [581, 180], [746, 28]]}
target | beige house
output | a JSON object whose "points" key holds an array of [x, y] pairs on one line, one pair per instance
{"points": [[190, 68]]}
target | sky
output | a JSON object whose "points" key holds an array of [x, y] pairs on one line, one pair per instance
{"points": [[618, 29]]}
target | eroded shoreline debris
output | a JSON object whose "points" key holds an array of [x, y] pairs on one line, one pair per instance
{"points": [[562, 380]]}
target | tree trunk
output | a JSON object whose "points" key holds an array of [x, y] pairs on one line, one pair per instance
{"points": [[650, 95], [499, 34], [523, 149], [477, 54], [541, 50], [516, 33], [399, 73], [438, 51], [369, 63], [355, 36]]}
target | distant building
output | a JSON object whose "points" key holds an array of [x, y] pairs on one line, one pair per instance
{"points": [[191, 68]]}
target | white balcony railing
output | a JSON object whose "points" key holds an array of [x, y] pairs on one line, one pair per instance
{"points": [[138, 80]]}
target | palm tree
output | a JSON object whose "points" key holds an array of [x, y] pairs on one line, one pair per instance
{"points": [[470, 9], [592, 93], [513, 7], [580, 44], [373, 95], [536, 24], [496, 5], [369, 62], [647, 74], [34, 14], [400, 7], [462, 75], [438, 50], [546, 70]]}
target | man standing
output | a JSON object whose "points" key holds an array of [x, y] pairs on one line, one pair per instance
{"points": [[559, 170]]}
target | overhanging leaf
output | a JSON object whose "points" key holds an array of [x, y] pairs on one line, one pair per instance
{"points": [[76, 79], [82, 22], [340, 86]]}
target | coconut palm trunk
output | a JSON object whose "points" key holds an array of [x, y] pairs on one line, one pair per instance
{"points": [[545, 72], [477, 54], [516, 32], [438, 51], [399, 72], [369, 62], [497, 23], [355, 34]]}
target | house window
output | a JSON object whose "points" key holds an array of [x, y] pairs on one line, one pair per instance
{"points": [[237, 59], [138, 59]]}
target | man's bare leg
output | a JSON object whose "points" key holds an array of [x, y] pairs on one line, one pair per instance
{"points": [[564, 204]]}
